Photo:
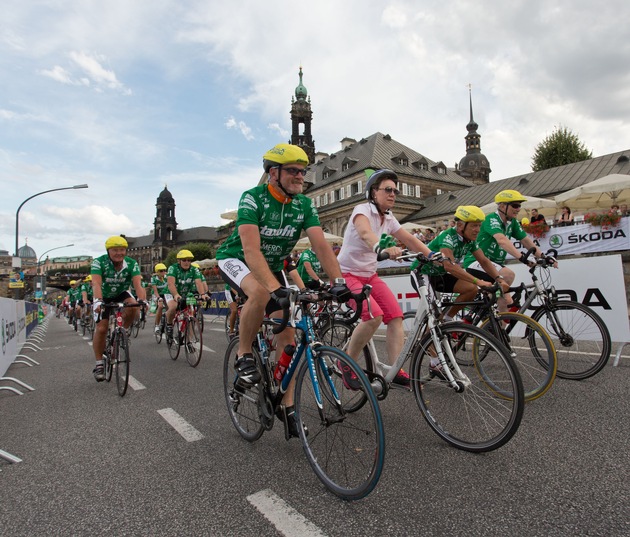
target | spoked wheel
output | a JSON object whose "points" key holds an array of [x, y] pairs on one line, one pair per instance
{"points": [[485, 407], [173, 343], [532, 350], [135, 328], [122, 362], [580, 336], [242, 403], [83, 326], [200, 319], [337, 335], [90, 326], [345, 449], [193, 343]]}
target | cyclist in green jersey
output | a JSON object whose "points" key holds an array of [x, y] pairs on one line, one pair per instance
{"points": [[182, 279], [160, 289], [494, 240], [74, 296], [308, 268], [455, 243], [269, 222], [112, 274]]}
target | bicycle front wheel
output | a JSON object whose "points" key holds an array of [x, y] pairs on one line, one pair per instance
{"points": [[531, 349], [193, 343], [173, 342], [243, 404], [345, 449], [580, 336], [485, 407], [135, 328], [121, 362], [337, 334]]}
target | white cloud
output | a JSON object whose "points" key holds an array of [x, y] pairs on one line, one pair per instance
{"points": [[276, 128], [231, 123]]}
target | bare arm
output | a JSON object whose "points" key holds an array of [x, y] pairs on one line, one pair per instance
{"points": [[324, 252], [137, 285]]}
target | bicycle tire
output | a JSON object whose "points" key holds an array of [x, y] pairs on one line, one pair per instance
{"points": [[242, 404], [122, 362], [200, 319], [584, 348], [173, 342], [158, 335], [193, 343], [337, 335], [135, 328], [486, 410], [532, 350], [83, 327], [346, 450]]}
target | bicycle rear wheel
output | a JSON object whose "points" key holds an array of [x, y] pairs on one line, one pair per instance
{"points": [[243, 404], [486, 408], [193, 343], [580, 336], [173, 343], [135, 327], [345, 449], [121, 362], [532, 351]]}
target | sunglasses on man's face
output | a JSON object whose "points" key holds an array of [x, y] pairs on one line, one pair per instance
{"points": [[294, 172], [515, 205]]}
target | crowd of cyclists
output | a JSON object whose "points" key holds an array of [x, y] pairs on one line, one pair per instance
{"points": [[255, 262]]}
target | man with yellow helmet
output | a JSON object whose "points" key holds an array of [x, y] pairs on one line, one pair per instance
{"points": [[494, 239], [112, 275], [86, 293], [455, 243], [182, 279], [269, 222], [74, 297], [159, 285]]}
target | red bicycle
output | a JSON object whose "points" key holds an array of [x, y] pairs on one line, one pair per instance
{"points": [[186, 332]]}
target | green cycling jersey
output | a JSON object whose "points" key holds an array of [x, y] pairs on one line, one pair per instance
{"points": [[115, 282], [184, 279], [280, 225], [161, 285], [452, 240], [308, 256], [489, 245]]}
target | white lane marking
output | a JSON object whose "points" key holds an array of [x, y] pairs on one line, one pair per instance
{"points": [[286, 519], [135, 385], [208, 349], [178, 423]]}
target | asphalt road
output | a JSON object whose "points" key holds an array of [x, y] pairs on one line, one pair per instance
{"points": [[94, 463]]}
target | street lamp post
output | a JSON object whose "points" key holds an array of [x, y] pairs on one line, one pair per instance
{"points": [[39, 261], [17, 214]]}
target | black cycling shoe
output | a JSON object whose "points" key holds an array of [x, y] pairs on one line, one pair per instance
{"points": [[291, 428], [246, 369]]}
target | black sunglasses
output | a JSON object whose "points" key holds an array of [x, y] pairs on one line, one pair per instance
{"points": [[515, 205], [294, 172], [390, 189]]}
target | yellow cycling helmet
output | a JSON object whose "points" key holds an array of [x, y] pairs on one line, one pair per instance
{"points": [[73, 282], [88, 278], [116, 242], [509, 196], [185, 254], [282, 154], [525, 221], [469, 213], [160, 266]]}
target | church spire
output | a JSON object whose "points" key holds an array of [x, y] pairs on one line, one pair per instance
{"points": [[474, 165], [301, 117]]}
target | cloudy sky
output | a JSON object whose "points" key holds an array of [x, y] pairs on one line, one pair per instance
{"points": [[131, 95]]}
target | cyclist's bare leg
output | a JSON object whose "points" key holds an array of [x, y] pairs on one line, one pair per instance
{"points": [[506, 301], [395, 339], [158, 313], [362, 334], [129, 314], [467, 292], [233, 314], [98, 344], [171, 308], [252, 313]]}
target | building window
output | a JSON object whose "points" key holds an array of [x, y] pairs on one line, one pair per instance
{"points": [[345, 166], [405, 189], [326, 174], [402, 162], [318, 201], [418, 191], [438, 191]]}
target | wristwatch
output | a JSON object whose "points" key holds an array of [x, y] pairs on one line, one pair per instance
{"points": [[499, 277], [340, 281]]}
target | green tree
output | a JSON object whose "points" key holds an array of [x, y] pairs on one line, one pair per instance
{"points": [[200, 250], [559, 148]]}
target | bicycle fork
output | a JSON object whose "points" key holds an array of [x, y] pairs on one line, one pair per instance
{"points": [[458, 381]]}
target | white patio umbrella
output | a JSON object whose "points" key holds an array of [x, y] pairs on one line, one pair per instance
{"points": [[412, 226], [304, 243], [599, 194], [229, 215], [207, 263], [544, 206]]}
